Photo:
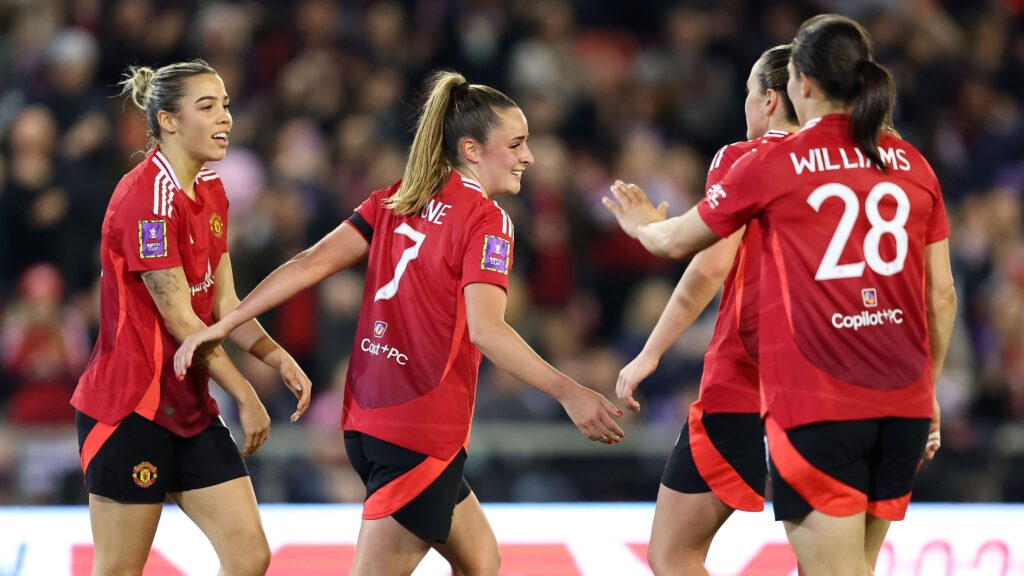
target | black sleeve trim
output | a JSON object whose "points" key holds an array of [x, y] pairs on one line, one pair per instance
{"points": [[362, 226]]}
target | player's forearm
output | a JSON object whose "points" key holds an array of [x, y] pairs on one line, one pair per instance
{"points": [[286, 281], [252, 338], [659, 238], [223, 371], [678, 237], [508, 351], [941, 307], [694, 292]]}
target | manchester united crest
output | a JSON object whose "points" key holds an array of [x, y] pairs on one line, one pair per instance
{"points": [[216, 225], [144, 474]]}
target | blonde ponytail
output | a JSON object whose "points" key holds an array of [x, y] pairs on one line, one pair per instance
{"points": [[427, 169], [454, 110]]}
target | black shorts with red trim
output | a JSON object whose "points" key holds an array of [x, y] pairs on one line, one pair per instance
{"points": [[722, 453], [139, 461], [420, 492], [844, 468]]}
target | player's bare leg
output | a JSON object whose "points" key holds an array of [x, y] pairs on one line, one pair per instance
{"points": [[387, 548], [227, 514], [122, 533], [684, 525], [829, 545], [472, 549], [874, 536]]}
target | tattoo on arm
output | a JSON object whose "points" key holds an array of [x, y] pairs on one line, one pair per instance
{"points": [[162, 284]]}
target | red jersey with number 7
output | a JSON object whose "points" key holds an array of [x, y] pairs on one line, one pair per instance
{"points": [[412, 377], [730, 379], [843, 329]]}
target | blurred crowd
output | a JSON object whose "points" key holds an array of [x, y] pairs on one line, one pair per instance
{"points": [[324, 95]]}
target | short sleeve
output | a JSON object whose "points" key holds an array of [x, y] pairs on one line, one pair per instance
{"points": [[489, 250], [731, 203], [938, 223], [721, 163], [149, 240], [365, 216]]}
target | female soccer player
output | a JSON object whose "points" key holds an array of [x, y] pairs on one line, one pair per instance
{"points": [[718, 464], [857, 299], [143, 434], [440, 251]]}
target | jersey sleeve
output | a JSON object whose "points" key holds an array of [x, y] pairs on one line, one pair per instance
{"points": [[731, 203], [938, 223], [488, 250], [149, 237], [721, 163], [364, 218]]}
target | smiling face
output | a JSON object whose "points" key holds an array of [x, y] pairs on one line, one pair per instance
{"points": [[203, 121], [501, 160]]}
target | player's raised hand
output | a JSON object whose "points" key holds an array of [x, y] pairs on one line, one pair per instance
{"points": [[255, 423], [594, 415], [297, 382], [632, 208], [630, 377], [202, 342]]}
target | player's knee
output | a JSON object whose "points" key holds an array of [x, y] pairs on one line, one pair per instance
{"points": [[117, 567], [253, 561], [487, 563], [673, 559]]}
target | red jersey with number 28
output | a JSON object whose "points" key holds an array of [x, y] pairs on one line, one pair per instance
{"points": [[151, 224], [843, 333], [730, 380], [412, 377]]}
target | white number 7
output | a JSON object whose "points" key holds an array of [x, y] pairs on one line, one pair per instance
{"points": [[388, 291]]}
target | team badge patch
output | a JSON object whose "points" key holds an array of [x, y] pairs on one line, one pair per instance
{"points": [[496, 254], [152, 238], [216, 225], [379, 328], [144, 474], [870, 297]]}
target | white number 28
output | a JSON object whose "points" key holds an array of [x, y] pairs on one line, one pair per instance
{"points": [[830, 268]]}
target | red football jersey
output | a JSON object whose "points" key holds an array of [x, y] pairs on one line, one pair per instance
{"points": [[730, 380], [412, 377], [151, 224], [843, 333]]}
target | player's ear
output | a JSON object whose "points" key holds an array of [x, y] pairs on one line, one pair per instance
{"points": [[771, 101], [470, 150], [806, 83], [168, 123]]}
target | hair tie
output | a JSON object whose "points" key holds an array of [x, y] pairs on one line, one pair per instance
{"points": [[462, 88]]}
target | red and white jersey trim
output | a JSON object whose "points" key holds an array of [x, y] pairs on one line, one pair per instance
{"points": [[164, 186], [205, 174]]}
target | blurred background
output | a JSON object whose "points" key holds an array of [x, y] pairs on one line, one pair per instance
{"points": [[324, 97]]}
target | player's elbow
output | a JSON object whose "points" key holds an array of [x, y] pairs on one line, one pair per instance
{"points": [[943, 297], [180, 324], [483, 333]]}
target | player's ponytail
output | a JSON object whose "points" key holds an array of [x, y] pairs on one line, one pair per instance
{"points": [[872, 107], [836, 51], [154, 90], [454, 109]]}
